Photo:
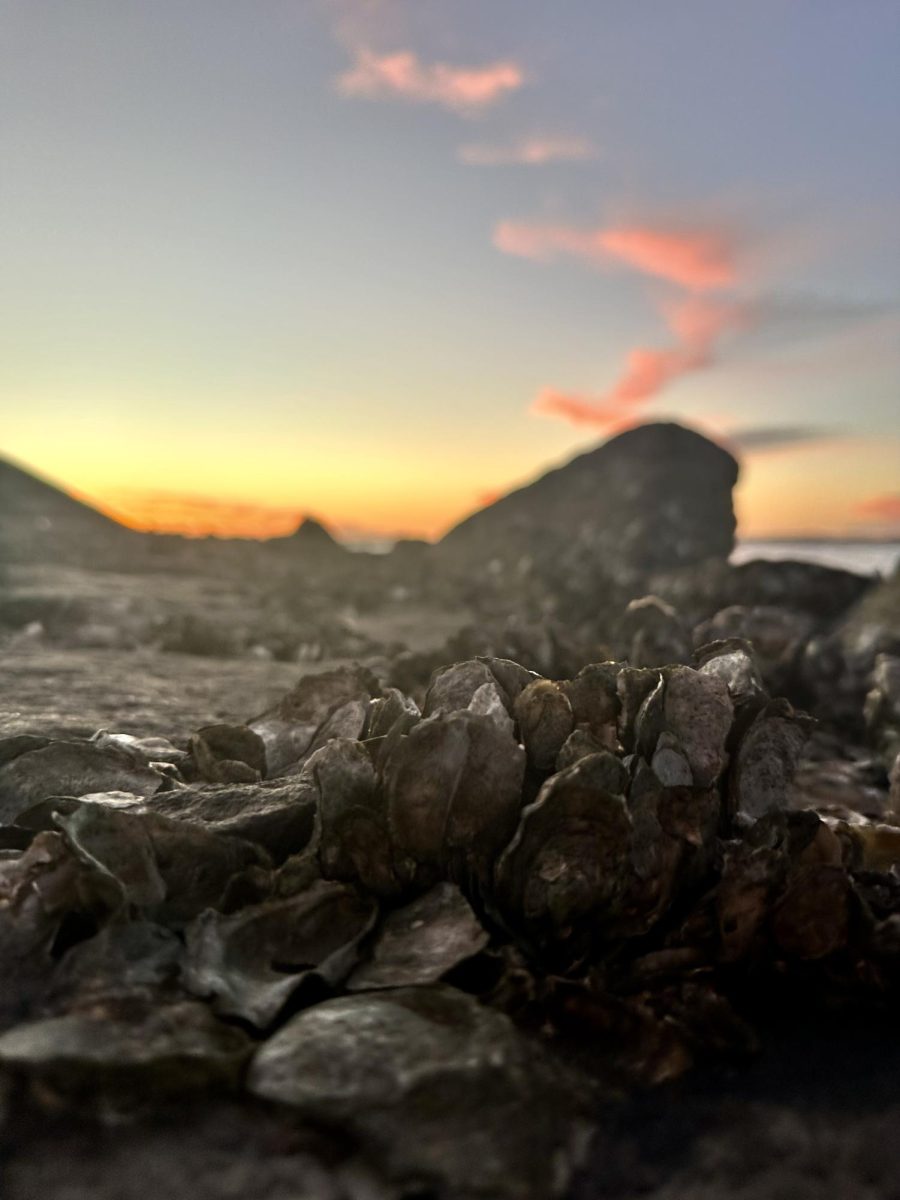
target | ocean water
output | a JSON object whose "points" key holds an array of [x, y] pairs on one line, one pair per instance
{"points": [[866, 558]]}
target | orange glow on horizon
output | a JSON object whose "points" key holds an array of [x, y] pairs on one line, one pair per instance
{"points": [[198, 516]]}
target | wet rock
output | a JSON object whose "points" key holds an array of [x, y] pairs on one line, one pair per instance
{"points": [[443, 1091], [422, 941], [545, 719], [72, 769], [228, 754], [252, 961], [332, 704]]}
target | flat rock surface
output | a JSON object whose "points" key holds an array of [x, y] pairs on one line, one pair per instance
{"points": [[76, 692]]}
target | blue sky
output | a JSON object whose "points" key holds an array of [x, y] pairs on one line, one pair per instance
{"points": [[371, 259]]}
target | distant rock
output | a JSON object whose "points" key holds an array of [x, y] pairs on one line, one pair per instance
{"points": [[310, 540], [655, 497], [41, 523], [312, 534]]}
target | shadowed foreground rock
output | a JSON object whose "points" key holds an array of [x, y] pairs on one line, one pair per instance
{"points": [[440, 950]]}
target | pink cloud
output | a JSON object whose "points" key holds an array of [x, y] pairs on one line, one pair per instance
{"points": [[532, 152], [401, 75], [700, 260], [882, 508], [697, 325], [545, 243]]}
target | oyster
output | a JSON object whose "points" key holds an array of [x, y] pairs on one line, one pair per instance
{"points": [[453, 789], [332, 704], [422, 941], [252, 961], [544, 715], [228, 754], [63, 768], [127, 1049]]}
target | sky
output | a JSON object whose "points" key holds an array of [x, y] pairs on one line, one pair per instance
{"points": [[382, 260]]}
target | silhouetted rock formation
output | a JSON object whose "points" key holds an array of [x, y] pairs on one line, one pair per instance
{"points": [[42, 523], [654, 497]]}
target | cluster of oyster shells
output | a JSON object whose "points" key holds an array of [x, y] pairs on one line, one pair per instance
{"points": [[433, 928]]}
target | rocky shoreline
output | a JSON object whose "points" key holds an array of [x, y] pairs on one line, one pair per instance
{"points": [[586, 885]]}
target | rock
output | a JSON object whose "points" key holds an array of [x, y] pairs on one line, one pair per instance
{"points": [[444, 1091], [653, 497]]}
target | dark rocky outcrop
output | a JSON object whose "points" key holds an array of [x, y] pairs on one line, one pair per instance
{"points": [[654, 497], [41, 523]]}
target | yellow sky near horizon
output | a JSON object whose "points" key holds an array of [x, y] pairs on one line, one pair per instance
{"points": [[780, 492]]}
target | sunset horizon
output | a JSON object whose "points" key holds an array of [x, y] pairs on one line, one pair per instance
{"points": [[368, 261]]}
